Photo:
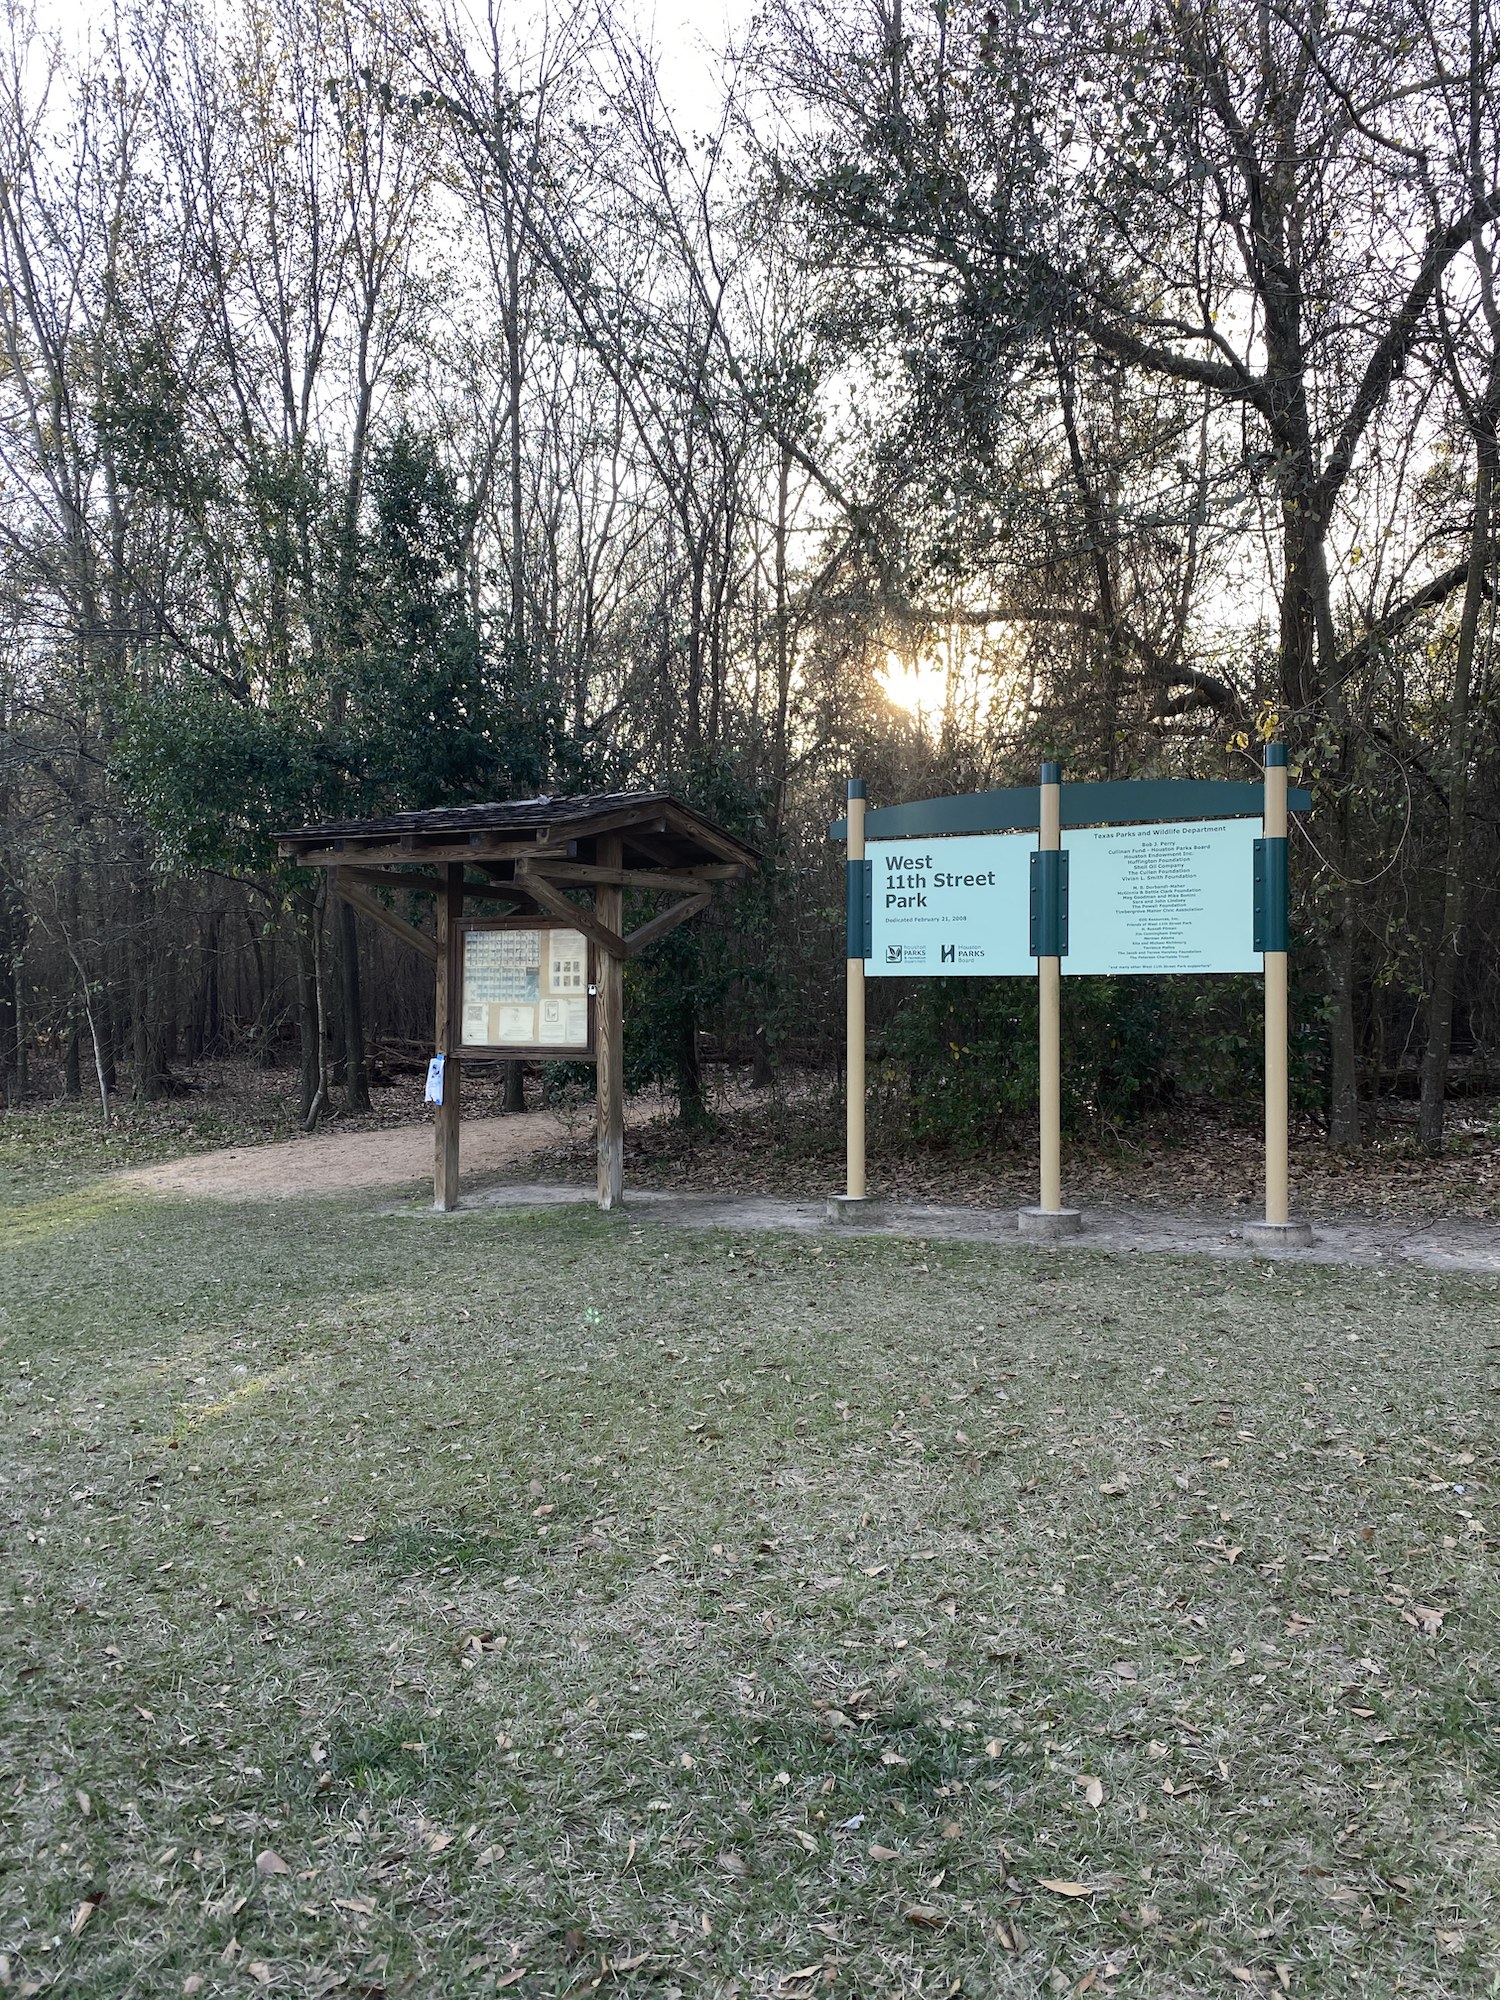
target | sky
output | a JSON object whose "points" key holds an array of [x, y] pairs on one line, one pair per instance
{"points": [[685, 35]]}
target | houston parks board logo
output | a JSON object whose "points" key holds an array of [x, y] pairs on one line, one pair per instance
{"points": [[949, 954]]}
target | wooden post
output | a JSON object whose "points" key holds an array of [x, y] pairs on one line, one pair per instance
{"points": [[1278, 1193], [450, 909], [854, 1014], [609, 1022], [1278, 1230], [1049, 1014], [1049, 1219], [854, 1204]]}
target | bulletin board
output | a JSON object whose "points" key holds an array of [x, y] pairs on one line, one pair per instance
{"points": [[527, 990]]}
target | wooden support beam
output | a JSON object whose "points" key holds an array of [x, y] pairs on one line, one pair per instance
{"points": [[659, 848], [665, 920], [458, 847], [449, 999], [425, 884], [705, 835], [609, 1037], [685, 881], [575, 916], [485, 892], [507, 883], [377, 912]]}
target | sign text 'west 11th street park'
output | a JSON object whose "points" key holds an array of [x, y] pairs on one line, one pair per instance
{"points": [[1176, 896], [949, 907]]}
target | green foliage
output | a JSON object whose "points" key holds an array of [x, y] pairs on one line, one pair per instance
{"points": [[961, 1055], [398, 699], [710, 962], [215, 777]]}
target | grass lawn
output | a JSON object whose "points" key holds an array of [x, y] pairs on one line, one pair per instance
{"points": [[553, 1604]]}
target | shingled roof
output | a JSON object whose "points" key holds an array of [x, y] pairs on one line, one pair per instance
{"points": [[681, 834]]}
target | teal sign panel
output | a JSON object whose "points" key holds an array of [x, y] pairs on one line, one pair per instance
{"points": [[1175, 897], [951, 908]]}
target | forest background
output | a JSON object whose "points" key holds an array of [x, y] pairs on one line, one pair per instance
{"points": [[402, 406]]}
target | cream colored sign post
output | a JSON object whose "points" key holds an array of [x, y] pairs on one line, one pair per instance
{"points": [[1049, 1015], [854, 1006], [1278, 1228], [1049, 1219], [1278, 1196]]}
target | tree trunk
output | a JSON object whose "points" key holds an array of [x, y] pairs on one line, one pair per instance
{"points": [[515, 1086], [356, 1074], [109, 1010], [304, 916], [1344, 1125], [11, 931], [1435, 1055], [72, 1074], [145, 1030], [687, 1068]]}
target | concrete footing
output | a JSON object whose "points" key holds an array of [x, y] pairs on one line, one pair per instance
{"points": [[1049, 1225], [855, 1208], [1278, 1235]]}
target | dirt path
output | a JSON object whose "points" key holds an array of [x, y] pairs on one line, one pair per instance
{"points": [[1458, 1244], [344, 1162], [398, 1160]]}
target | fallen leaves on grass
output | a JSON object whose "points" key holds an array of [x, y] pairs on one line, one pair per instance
{"points": [[1425, 1619], [1066, 1888], [1092, 1788], [269, 1862], [924, 1917]]}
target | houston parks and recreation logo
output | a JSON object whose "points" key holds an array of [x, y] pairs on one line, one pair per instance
{"points": [[950, 954]]}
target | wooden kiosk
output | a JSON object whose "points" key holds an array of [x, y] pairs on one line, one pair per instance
{"points": [[523, 968]]}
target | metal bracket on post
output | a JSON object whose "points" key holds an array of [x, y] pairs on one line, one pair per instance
{"points": [[1049, 903], [859, 908], [1271, 901]]}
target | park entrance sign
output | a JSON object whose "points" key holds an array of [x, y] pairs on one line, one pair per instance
{"points": [[1160, 877], [945, 907], [1176, 897]]}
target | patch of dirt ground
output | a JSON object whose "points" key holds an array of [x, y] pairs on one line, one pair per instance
{"points": [[788, 1143], [339, 1162]]}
